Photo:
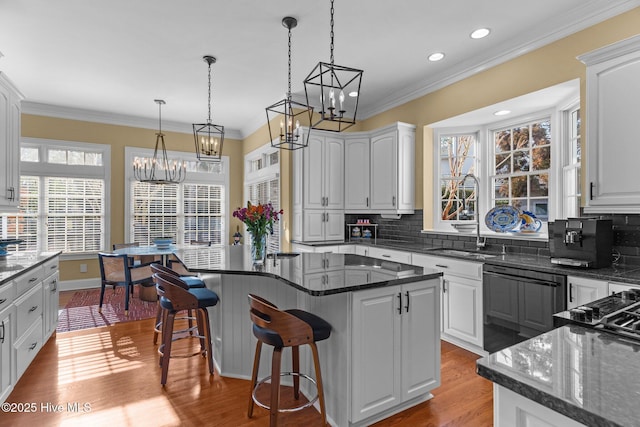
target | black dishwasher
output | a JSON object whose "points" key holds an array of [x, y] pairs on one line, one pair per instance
{"points": [[519, 304]]}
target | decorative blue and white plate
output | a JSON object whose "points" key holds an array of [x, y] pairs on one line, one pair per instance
{"points": [[502, 218]]}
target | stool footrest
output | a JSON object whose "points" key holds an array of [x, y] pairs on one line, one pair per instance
{"points": [[294, 409]]}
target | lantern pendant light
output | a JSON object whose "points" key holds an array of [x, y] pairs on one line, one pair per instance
{"points": [[208, 137], [159, 169], [334, 91], [283, 117]]}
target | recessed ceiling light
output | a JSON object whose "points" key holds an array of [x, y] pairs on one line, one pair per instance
{"points": [[480, 33], [436, 56], [353, 94], [502, 113]]}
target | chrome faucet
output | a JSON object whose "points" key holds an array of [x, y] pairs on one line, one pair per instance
{"points": [[480, 241]]}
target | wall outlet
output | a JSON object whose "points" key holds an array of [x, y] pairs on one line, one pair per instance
{"points": [[83, 268]]}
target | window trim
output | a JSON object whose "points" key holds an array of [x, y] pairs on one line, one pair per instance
{"points": [[268, 173], [192, 177], [44, 169]]}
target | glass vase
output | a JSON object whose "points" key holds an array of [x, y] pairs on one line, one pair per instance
{"points": [[258, 248]]}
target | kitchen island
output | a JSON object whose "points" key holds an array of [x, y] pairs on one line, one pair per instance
{"points": [[383, 355], [570, 376]]}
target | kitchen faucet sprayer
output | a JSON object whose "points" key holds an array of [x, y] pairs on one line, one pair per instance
{"points": [[480, 242]]}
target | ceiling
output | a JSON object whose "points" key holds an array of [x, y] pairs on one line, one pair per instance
{"points": [[107, 61]]}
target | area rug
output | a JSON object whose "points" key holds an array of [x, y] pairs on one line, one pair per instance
{"points": [[81, 312]]}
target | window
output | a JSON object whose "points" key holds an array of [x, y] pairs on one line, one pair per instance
{"points": [[62, 208], [522, 160], [457, 158], [192, 210], [262, 185], [571, 168]]}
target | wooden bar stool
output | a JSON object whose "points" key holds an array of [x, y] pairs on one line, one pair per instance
{"points": [[288, 328], [191, 281], [175, 295]]}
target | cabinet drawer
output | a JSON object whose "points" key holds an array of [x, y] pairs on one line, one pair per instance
{"points": [[28, 346], [7, 295], [455, 267], [50, 267], [28, 309], [390, 254], [28, 280]]}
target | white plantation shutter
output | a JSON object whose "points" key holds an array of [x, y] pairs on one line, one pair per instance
{"points": [[74, 208], [155, 211], [203, 213]]}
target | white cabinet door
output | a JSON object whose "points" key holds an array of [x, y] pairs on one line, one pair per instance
{"points": [[362, 250], [7, 360], [50, 305], [334, 225], [462, 309], [394, 327], [420, 339], [9, 143], [581, 290], [334, 173], [313, 225], [384, 173], [376, 342], [613, 100], [313, 173], [357, 175]]}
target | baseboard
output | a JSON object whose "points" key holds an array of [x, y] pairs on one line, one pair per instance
{"points": [[74, 285], [465, 345]]}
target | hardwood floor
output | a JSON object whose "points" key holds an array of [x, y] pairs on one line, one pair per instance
{"points": [[114, 371]]}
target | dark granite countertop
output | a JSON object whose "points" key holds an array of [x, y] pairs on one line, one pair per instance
{"points": [[585, 374], [16, 264], [623, 273], [303, 271]]}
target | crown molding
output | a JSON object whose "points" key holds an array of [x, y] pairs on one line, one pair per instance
{"points": [[48, 110], [589, 14]]}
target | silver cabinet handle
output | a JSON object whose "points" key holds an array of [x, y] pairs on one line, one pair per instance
{"points": [[442, 266], [444, 286], [12, 194], [34, 308], [33, 345], [327, 216], [33, 279], [3, 333], [54, 285], [367, 201], [386, 256], [3, 300], [393, 201]]}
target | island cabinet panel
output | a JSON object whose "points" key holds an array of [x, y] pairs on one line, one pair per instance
{"points": [[398, 328], [581, 290], [514, 410]]}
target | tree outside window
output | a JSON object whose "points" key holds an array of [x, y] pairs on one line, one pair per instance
{"points": [[522, 159], [457, 158]]}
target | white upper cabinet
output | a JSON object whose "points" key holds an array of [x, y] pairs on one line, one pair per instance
{"points": [[613, 107], [323, 173], [357, 174], [10, 99], [392, 169]]}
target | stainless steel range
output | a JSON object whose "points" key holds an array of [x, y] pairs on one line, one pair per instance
{"points": [[618, 313]]}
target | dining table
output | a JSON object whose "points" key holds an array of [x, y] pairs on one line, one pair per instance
{"points": [[151, 250]]}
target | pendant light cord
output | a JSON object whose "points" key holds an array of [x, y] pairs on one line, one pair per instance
{"points": [[331, 33], [159, 117], [209, 116], [289, 66]]}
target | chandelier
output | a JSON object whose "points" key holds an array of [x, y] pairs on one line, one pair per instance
{"points": [[158, 169], [208, 137], [334, 91], [287, 112]]}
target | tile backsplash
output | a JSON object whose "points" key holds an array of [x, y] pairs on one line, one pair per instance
{"points": [[626, 236]]}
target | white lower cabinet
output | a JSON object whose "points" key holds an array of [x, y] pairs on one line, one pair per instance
{"points": [[7, 354], [615, 287], [362, 250], [395, 327], [581, 291], [461, 321], [28, 317], [390, 254]]}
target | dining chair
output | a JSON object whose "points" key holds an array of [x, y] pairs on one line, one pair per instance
{"points": [[115, 270]]}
